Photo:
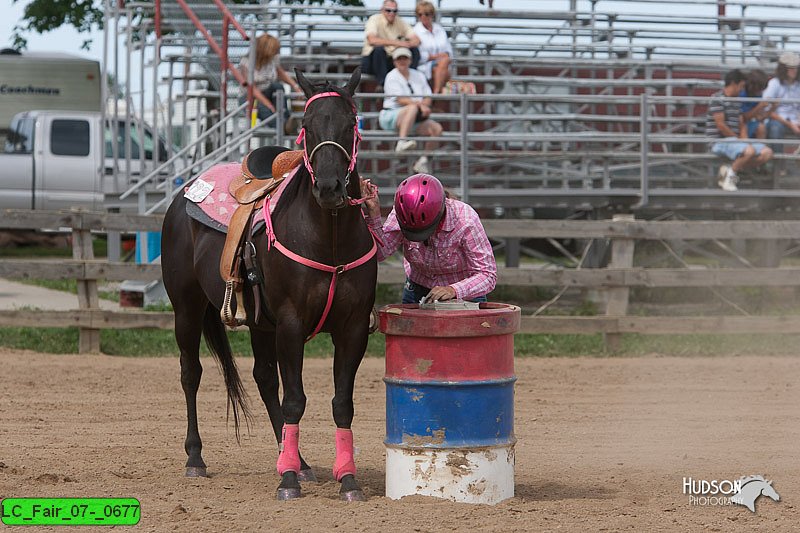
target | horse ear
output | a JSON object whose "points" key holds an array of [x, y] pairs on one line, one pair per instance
{"points": [[355, 79], [308, 89]]}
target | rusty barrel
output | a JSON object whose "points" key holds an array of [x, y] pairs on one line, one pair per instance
{"points": [[450, 402]]}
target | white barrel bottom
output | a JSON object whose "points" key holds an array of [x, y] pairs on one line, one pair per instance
{"points": [[467, 475]]}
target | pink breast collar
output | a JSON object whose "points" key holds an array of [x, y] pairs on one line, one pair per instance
{"points": [[334, 270]]}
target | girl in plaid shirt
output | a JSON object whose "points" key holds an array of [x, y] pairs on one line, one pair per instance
{"points": [[446, 253]]}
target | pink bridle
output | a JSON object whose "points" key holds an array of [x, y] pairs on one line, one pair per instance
{"points": [[272, 239], [352, 157]]}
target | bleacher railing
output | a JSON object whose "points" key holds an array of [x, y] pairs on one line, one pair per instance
{"points": [[581, 106]]}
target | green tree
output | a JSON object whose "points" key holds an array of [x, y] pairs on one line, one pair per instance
{"points": [[41, 16]]}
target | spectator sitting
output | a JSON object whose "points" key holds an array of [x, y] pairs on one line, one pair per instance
{"points": [[407, 107], [435, 49], [384, 32], [725, 121], [267, 76], [755, 112], [785, 116]]}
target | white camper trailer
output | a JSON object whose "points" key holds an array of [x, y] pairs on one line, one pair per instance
{"points": [[43, 81]]}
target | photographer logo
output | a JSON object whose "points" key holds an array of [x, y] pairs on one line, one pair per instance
{"points": [[743, 491]]}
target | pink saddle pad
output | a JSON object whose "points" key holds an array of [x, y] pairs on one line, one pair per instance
{"points": [[218, 204]]}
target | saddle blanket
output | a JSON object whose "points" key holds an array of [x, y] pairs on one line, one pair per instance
{"points": [[211, 203]]}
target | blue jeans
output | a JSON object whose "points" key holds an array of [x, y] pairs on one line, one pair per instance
{"points": [[733, 150], [414, 292], [776, 130], [379, 63], [263, 111]]}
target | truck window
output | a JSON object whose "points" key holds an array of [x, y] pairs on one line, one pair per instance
{"points": [[69, 137], [20, 138], [148, 146], [121, 143], [134, 130]]}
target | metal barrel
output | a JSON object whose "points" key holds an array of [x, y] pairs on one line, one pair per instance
{"points": [[450, 402]]}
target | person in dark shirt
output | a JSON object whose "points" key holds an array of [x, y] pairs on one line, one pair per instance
{"points": [[755, 113]]}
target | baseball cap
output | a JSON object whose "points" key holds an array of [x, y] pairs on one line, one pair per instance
{"points": [[401, 51], [790, 59]]}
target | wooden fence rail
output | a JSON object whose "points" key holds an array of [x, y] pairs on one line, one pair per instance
{"points": [[615, 281]]}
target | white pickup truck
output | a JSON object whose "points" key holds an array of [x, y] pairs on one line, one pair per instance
{"points": [[62, 159]]}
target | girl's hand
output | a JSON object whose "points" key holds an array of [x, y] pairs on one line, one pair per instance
{"points": [[441, 293], [370, 191]]}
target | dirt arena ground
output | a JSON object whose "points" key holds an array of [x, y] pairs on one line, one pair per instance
{"points": [[604, 445]]}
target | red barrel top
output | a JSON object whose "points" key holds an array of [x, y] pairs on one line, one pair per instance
{"points": [[409, 320], [471, 345]]}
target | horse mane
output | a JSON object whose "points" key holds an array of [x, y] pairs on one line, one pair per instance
{"points": [[292, 189], [748, 479]]}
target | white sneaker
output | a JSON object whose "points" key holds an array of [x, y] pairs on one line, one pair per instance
{"points": [[728, 183], [405, 144], [421, 166], [723, 171]]}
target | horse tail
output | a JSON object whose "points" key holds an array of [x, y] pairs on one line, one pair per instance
{"points": [[220, 348]]}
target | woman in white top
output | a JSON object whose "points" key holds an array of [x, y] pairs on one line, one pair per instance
{"points": [[407, 107], [785, 118], [435, 49], [268, 75]]}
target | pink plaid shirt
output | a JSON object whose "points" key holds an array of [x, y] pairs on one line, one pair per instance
{"points": [[457, 254]]}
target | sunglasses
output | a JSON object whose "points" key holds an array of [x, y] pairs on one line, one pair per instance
{"points": [[426, 14], [390, 10]]}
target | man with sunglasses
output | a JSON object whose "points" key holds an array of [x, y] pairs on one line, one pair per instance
{"points": [[384, 32]]}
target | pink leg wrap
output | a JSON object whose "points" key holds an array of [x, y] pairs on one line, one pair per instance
{"points": [[344, 454], [289, 458]]}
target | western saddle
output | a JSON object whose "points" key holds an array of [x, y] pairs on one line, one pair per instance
{"points": [[260, 176]]}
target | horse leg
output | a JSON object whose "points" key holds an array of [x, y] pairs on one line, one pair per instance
{"points": [[350, 346], [265, 372], [188, 323], [289, 344]]}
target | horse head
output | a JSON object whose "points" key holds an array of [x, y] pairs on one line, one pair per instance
{"points": [[330, 138], [751, 488], [768, 491]]}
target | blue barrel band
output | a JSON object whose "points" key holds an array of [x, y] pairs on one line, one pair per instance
{"points": [[451, 416]]}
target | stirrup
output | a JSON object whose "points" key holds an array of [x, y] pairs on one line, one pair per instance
{"points": [[225, 311]]}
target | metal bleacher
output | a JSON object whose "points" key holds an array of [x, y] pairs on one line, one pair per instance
{"points": [[579, 108]]}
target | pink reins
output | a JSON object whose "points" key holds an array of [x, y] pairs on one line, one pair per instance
{"points": [[272, 239]]}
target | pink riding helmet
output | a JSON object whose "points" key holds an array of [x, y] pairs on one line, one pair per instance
{"points": [[419, 206]]}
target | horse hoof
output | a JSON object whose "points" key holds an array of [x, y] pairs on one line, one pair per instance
{"points": [[352, 496], [307, 475], [288, 494], [196, 471]]}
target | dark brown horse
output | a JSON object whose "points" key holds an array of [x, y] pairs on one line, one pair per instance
{"points": [[318, 219]]}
